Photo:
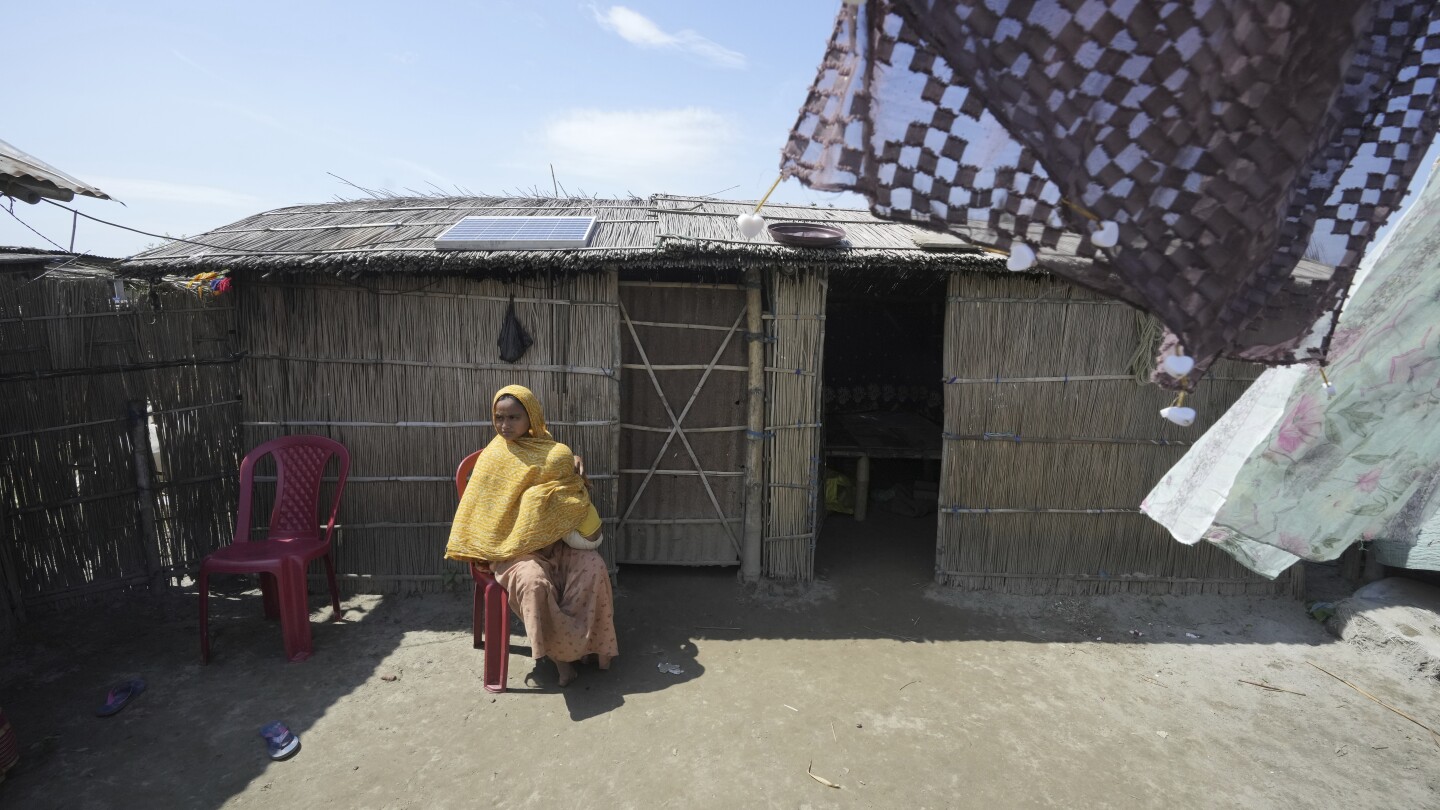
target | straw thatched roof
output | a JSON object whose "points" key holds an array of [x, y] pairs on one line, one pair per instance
{"points": [[24, 258], [397, 235]]}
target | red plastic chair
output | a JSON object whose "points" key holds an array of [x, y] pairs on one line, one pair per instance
{"points": [[491, 610], [292, 542]]}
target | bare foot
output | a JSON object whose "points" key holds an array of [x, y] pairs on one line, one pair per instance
{"points": [[595, 659], [567, 671]]}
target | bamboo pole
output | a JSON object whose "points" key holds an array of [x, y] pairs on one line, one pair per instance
{"points": [[684, 367], [375, 361], [755, 435], [702, 326], [649, 471], [862, 486], [424, 293], [144, 496], [653, 429], [445, 425], [678, 285], [12, 603]]}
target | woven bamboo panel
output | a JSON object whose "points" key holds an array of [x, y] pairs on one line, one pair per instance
{"points": [[1052, 442], [794, 390], [687, 344], [72, 363], [401, 371]]}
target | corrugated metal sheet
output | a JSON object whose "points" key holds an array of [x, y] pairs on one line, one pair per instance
{"points": [[28, 178]]}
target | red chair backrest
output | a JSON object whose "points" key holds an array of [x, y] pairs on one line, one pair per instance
{"points": [[300, 463], [462, 473]]}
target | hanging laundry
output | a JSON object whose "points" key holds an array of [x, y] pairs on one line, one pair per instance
{"points": [[1291, 472], [1182, 157]]}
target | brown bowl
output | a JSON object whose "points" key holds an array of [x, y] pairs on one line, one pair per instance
{"points": [[806, 234]]}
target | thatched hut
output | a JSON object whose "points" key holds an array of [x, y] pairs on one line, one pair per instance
{"points": [[689, 366]]}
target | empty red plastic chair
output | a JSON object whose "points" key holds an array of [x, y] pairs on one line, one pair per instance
{"points": [[491, 610], [293, 539]]}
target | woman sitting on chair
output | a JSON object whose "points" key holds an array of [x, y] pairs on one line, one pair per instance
{"points": [[526, 514]]}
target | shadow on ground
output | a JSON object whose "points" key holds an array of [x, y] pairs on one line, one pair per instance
{"points": [[192, 739]]}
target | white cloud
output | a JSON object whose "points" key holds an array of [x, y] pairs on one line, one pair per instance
{"points": [[638, 145], [127, 189], [637, 29]]}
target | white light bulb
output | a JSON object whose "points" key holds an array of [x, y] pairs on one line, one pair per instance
{"points": [[1180, 415], [1022, 257], [1178, 365], [1106, 235], [750, 225]]}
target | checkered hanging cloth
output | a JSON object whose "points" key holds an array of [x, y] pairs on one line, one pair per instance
{"points": [[1225, 139]]}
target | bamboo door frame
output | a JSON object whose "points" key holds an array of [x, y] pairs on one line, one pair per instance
{"points": [[677, 427], [948, 449], [793, 446]]}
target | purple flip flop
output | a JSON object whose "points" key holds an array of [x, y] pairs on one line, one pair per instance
{"points": [[280, 741], [120, 697]]}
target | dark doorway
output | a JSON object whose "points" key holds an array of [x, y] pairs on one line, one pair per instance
{"points": [[883, 412]]}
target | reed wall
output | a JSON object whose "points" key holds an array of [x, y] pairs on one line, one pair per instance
{"points": [[1052, 442], [107, 409], [401, 370], [795, 327]]}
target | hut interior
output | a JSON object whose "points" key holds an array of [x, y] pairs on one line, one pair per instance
{"points": [[883, 411]]}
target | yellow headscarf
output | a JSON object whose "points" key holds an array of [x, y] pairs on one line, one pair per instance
{"points": [[523, 496]]}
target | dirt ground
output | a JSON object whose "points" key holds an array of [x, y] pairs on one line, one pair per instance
{"points": [[901, 693]]}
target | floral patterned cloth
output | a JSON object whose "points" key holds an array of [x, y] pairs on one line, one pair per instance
{"points": [[1290, 473]]}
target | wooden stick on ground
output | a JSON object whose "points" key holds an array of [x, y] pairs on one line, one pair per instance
{"points": [[1271, 688], [1433, 736]]}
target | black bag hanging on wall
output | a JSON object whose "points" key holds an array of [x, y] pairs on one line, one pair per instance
{"points": [[514, 340]]}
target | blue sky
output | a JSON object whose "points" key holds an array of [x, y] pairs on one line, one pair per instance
{"points": [[197, 114], [200, 114]]}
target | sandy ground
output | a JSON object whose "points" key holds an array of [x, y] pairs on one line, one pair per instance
{"points": [[903, 694]]}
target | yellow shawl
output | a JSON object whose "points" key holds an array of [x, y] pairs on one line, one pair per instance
{"points": [[523, 496]]}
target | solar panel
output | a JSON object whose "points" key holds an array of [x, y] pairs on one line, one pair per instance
{"points": [[517, 233]]}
